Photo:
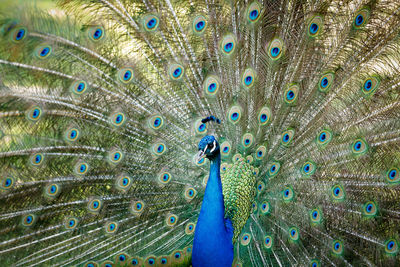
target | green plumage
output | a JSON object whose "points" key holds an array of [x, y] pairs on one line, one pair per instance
{"points": [[101, 105], [238, 185]]}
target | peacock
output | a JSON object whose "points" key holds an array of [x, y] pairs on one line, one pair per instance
{"points": [[200, 133]]}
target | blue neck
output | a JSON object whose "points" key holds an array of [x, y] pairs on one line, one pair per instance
{"points": [[212, 244]]}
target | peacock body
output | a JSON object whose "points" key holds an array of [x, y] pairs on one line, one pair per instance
{"points": [[292, 106]]}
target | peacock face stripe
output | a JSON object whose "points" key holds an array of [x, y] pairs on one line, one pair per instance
{"points": [[101, 110]]}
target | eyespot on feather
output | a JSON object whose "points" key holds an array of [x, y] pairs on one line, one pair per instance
{"points": [[325, 82], [28, 220], [275, 49], [96, 33], [7, 182], [234, 114], [315, 26], [290, 94], [288, 194], [171, 220], [359, 147], [125, 75], [111, 227], [190, 193], [264, 116], [36, 159], [273, 169], [228, 45], [253, 12], [245, 239], [52, 190], [176, 71], [19, 34], [71, 223], [81, 168], [361, 18], [43, 51], [199, 24], [337, 193], [211, 85], [287, 137], [150, 22], [369, 86], [137, 207], [94, 206], [248, 78], [337, 247], [268, 241], [324, 137], [392, 176], [156, 122], [34, 113]]}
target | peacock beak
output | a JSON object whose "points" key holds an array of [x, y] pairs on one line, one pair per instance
{"points": [[201, 155]]}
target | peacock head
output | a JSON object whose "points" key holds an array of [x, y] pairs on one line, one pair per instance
{"points": [[208, 148]]}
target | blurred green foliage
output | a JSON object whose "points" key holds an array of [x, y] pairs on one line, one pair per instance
{"points": [[42, 4]]}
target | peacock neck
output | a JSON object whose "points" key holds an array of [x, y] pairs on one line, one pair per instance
{"points": [[213, 202], [212, 244]]}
